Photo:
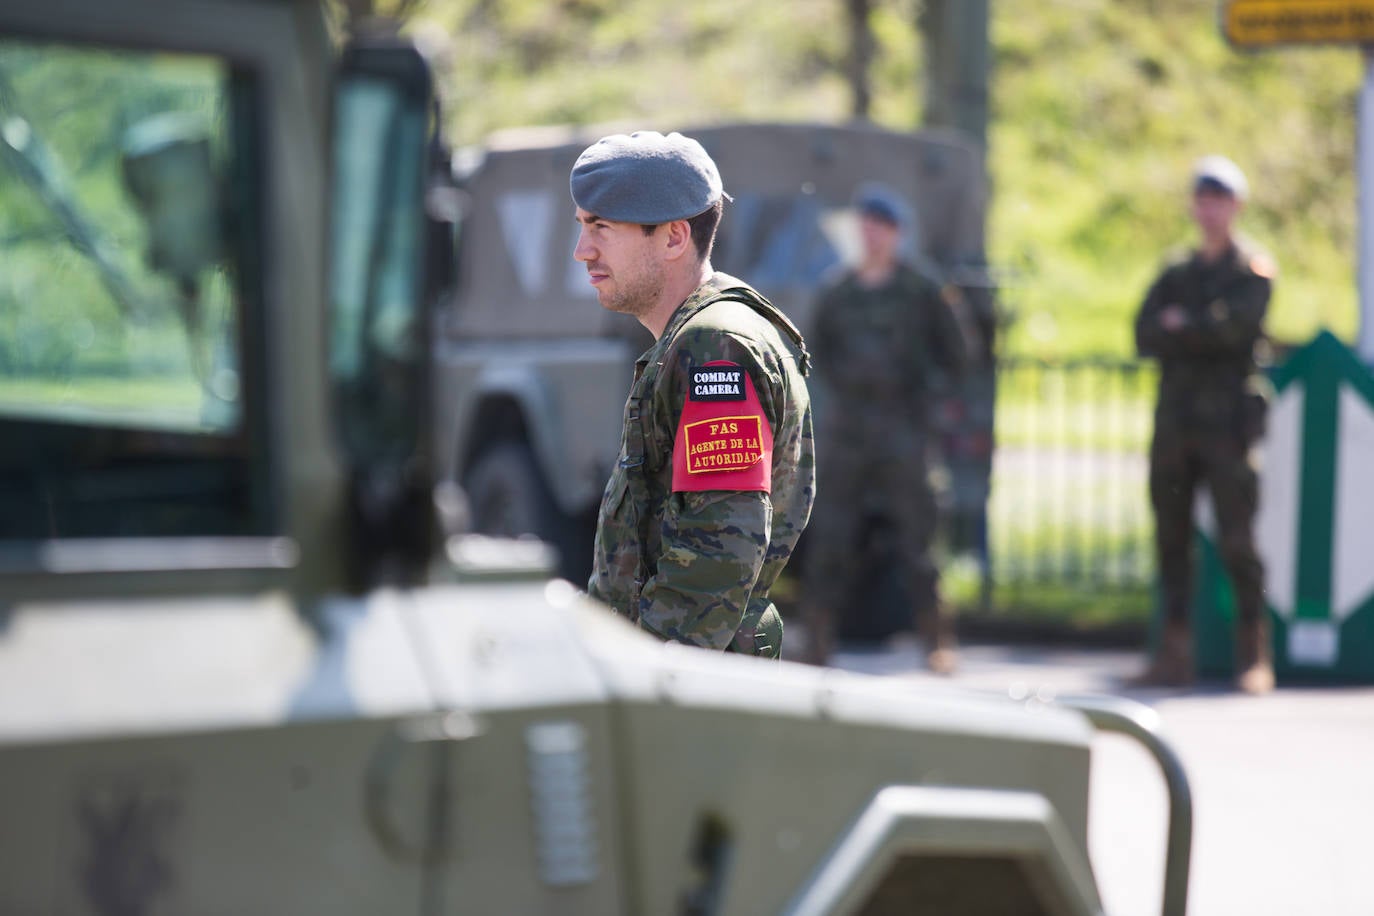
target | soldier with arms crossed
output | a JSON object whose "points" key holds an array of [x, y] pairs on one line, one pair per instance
{"points": [[716, 473], [1202, 319]]}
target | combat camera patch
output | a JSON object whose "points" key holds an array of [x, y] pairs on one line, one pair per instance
{"points": [[723, 442], [717, 382]]}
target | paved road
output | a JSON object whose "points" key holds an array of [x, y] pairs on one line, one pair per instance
{"points": [[1283, 785]]}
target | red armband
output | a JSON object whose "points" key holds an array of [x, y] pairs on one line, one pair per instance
{"points": [[723, 439]]}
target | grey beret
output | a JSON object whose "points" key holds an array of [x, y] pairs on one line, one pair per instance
{"points": [[1221, 174], [645, 178]]}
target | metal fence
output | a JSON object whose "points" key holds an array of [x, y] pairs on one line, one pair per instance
{"points": [[1069, 501]]}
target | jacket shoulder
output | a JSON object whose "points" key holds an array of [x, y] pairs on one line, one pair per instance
{"points": [[835, 276], [1251, 258], [1175, 259], [913, 277], [726, 319]]}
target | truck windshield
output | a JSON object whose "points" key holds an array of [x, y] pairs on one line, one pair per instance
{"points": [[125, 192]]}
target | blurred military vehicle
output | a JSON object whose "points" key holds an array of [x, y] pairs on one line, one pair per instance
{"points": [[239, 673], [533, 373]]}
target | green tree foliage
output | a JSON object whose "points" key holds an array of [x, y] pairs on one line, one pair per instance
{"points": [[522, 62], [1099, 107]]}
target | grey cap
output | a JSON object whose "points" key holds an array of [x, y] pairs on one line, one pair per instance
{"points": [[1218, 173], [645, 177]]}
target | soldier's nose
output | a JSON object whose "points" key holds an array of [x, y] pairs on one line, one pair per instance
{"points": [[584, 250]]}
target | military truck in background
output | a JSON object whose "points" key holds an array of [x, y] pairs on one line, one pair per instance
{"points": [[249, 663], [533, 373]]}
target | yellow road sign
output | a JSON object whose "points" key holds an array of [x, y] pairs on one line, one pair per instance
{"points": [[1262, 23]]}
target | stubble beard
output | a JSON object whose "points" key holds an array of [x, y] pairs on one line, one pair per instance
{"points": [[635, 295]]}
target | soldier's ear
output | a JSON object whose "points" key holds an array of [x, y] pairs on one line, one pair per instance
{"points": [[678, 239]]}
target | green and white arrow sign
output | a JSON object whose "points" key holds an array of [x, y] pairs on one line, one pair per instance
{"points": [[1316, 519]]}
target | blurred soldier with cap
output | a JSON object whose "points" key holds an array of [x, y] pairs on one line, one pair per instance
{"points": [[1202, 319], [716, 473], [883, 332]]}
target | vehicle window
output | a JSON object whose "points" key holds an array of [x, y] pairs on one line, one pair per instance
{"points": [[778, 241], [100, 318], [128, 208], [380, 132]]}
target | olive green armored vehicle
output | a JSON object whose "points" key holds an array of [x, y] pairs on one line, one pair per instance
{"points": [[249, 662]]}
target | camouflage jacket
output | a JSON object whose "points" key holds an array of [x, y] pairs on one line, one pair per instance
{"points": [[889, 345], [696, 565], [1207, 367]]}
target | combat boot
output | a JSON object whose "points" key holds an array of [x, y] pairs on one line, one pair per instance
{"points": [[937, 633], [1172, 664], [1254, 664]]}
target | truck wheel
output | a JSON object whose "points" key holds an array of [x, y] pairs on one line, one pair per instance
{"points": [[509, 498]]}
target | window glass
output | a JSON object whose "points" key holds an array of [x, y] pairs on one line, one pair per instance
{"points": [[117, 292], [380, 133], [777, 241], [129, 199]]}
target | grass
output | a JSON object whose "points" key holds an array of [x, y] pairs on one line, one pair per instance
{"points": [[1056, 609], [1117, 427]]}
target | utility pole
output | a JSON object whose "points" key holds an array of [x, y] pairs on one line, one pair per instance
{"points": [[955, 37], [1364, 153]]}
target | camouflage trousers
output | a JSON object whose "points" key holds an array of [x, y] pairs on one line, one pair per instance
{"points": [[1180, 460], [853, 483]]}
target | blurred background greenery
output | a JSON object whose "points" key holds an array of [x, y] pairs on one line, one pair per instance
{"points": [[1098, 107]]}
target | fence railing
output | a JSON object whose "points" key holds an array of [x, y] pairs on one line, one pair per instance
{"points": [[1069, 501]]}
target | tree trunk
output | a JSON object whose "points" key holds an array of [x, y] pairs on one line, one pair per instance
{"points": [[955, 36], [860, 55]]}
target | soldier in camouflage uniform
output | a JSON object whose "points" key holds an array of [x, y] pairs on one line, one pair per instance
{"points": [[1202, 320], [882, 332], [716, 473]]}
